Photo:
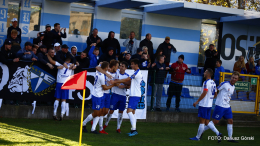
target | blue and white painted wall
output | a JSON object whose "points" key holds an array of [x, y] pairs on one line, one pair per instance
{"points": [[3, 20], [236, 38]]}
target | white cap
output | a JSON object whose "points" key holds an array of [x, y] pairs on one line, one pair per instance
{"points": [[14, 19], [56, 44], [74, 47]]}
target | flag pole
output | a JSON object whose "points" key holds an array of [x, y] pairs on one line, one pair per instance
{"points": [[82, 115]]}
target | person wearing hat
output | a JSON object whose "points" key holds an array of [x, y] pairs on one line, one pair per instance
{"points": [[63, 54], [167, 48], [177, 76], [14, 26], [7, 55], [39, 40], [131, 44], [125, 56], [108, 56], [56, 47], [49, 36], [111, 41], [42, 57], [26, 53], [73, 51], [58, 32], [138, 54]]}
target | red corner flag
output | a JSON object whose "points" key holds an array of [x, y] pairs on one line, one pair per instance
{"points": [[76, 81]]}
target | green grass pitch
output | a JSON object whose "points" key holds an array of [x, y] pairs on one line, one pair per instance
{"points": [[31, 132]]}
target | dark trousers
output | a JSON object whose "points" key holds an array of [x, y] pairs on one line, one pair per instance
{"points": [[174, 89]]}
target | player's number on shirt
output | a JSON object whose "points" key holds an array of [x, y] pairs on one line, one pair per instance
{"points": [[213, 90]]}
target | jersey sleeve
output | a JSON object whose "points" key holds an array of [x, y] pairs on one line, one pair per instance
{"points": [[206, 86], [102, 79], [221, 86], [134, 75], [57, 63]]}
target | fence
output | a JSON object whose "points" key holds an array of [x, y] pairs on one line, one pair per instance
{"points": [[246, 95]]}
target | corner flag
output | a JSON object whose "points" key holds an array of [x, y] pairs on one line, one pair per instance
{"points": [[78, 82]]}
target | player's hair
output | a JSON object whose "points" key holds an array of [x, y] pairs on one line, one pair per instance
{"points": [[125, 63], [236, 73], [14, 31], [220, 62], [210, 71], [96, 49], [135, 61], [104, 65], [68, 59], [56, 24], [112, 63]]}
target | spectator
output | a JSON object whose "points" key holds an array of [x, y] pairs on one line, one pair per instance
{"points": [[211, 57], [82, 61], [74, 50], [218, 70], [111, 41], [42, 57], [39, 40], [34, 49], [179, 68], [131, 44], [250, 66], [108, 56], [58, 33], [93, 56], [14, 26], [167, 48], [63, 54], [26, 53], [7, 55], [145, 51], [56, 47], [240, 66], [158, 53], [49, 36], [161, 70], [15, 41], [149, 44], [138, 54], [93, 39], [125, 58], [257, 68], [145, 62]]}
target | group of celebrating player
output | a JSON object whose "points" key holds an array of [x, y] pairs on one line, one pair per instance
{"points": [[108, 76], [222, 109]]}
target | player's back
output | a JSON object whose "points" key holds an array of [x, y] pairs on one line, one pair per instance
{"points": [[63, 74], [210, 86], [135, 89], [225, 92], [97, 88]]}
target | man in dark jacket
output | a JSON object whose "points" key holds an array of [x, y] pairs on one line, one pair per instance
{"points": [[82, 60], [108, 56], [39, 40], [167, 49], [63, 54], [125, 56], [58, 33], [149, 44], [49, 37], [93, 39], [42, 57], [211, 56], [138, 55], [7, 55], [161, 70], [14, 26], [111, 41]]}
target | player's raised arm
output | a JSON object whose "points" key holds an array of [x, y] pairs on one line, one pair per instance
{"points": [[98, 68]]}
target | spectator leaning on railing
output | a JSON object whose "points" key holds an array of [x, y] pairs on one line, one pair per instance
{"points": [[218, 70], [62, 55], [42, 57], [250, 66], [7, 55], [82, 61], [177, 77], [240, 66], [26, 53], [161, 70]]}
